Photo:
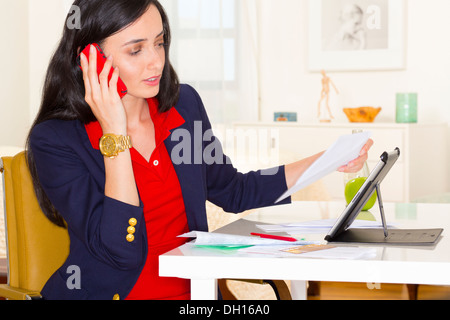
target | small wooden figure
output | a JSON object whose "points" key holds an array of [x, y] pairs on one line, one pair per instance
{"points": [[325, 95]]}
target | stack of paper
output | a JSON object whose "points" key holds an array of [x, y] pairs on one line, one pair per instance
{"points": [[335, 253], [218, 239], [316, 227], [277, 248]]}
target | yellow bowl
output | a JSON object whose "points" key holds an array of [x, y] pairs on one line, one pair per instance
{"points": [[362, 114]]}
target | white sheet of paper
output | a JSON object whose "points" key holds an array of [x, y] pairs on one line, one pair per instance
{"points": [[218, 239], [344, 150], [338, 253], [317, 226]]}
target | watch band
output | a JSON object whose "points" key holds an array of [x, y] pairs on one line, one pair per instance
{"points": [[111, 145], [125, 143]]}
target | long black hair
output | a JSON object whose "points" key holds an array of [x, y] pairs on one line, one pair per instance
{"points": [[63, 93]]}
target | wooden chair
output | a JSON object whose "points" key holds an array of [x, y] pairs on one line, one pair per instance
{"points": [[36, 248], [279, 287]]}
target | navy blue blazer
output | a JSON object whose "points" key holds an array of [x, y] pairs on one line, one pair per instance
{"points": [[72, 174]]}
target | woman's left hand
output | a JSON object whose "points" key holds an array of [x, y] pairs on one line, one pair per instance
{"points": [[357, 164]]}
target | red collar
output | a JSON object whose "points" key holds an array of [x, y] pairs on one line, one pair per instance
{"points": [[163, 122]]}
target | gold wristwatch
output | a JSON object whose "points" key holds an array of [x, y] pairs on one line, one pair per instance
{"points": [[111, 145]]}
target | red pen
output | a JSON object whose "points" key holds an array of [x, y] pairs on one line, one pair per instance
{"points": [[269, 236]]}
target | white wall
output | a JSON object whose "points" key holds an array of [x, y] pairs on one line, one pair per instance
{"points": [[47, 18], [288, 86], [30, 30], [14, 86]]}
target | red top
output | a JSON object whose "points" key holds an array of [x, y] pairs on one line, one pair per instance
{"points": [[164, 208]]}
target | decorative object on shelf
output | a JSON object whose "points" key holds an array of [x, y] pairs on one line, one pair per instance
{"points": [[406, 108], [325, 115], [358, 36], [362, 114], [285, 116]]}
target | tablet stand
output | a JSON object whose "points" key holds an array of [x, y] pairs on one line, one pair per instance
{"points": [[380, 205]]}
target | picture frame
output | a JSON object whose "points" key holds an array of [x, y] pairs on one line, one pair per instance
{"points": [[361, 35]]}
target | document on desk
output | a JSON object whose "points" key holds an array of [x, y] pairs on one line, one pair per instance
{"points": [[317, 226], [313, 251], [219, 239], [344, 150]]}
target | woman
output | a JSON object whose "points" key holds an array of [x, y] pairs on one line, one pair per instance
{"points": [[123, 212]]}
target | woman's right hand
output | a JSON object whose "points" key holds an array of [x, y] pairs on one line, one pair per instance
{"points": [[102, 96], [108, 108]]}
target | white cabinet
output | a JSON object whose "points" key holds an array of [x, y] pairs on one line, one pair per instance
{"points": [[421, 170]]}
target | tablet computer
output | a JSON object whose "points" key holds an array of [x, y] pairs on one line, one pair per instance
{"points": [[365, 192], [341, 232]]}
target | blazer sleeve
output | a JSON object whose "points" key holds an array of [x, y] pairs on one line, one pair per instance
{"points": [[236, 192], [99, 222]]}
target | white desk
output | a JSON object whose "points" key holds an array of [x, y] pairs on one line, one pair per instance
{"points": [[392, 264]]}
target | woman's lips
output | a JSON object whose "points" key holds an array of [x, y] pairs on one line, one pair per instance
{"points": [[154, 81]]}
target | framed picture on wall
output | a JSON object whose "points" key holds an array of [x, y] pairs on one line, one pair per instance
{"points": [[357, 35]]}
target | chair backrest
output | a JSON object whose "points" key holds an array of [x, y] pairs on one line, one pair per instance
{"points": [[36, 248], [5, 150]]}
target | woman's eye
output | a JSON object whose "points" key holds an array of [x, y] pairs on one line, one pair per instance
{"points": [[135, 51]]}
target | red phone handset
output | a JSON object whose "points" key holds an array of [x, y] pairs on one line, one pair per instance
{"points": [[101, 60]]}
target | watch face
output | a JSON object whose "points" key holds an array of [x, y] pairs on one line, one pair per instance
{"points": [[108, 146]]}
